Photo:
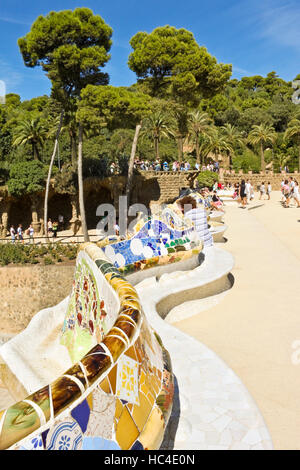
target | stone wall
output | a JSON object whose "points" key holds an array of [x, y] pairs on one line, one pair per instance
{"points": [[26, 290], [152, 187], [256, 179]]}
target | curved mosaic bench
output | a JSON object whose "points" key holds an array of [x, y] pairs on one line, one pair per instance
{"points": [[119, 394], [214, 410], [154, 248]]}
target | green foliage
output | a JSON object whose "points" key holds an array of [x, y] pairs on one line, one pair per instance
{"points": [[26, 177], [71, 47], [112, 107], [171, 62], [35, 254], [246, 161], [207, 179]]}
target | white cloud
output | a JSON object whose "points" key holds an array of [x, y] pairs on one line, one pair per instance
{"points": [[281, 22], [6, 19], [9, 75]]}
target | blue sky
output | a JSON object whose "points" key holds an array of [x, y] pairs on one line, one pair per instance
{"points": [[255, 36]]}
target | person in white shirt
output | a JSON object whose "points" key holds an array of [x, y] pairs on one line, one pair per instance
{"points": [[12, 234], [295, 194], [248, 191], [262, 190], [269, 190]]}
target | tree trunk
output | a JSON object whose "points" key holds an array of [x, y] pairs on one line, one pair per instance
{"points": [[299, 156], [50, 173], [80, 186], [198, 150], [73, 147], [131, 161], [156, 147], [263, 165], [35, 151], [180, 149]]}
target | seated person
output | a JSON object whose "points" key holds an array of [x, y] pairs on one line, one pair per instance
{"points": [[216, 202]]}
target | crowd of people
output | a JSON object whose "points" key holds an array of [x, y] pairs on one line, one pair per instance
{"points": [[18, 235], [157, 165], [290, 191]]}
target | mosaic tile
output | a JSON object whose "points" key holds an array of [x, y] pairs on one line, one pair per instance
{"points": [[81, 414], [141, 412], [126, 430], [66, 435], [99, 443], [127, 380], [151, 440], [36, 443]]}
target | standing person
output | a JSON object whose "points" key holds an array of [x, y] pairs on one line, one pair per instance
{"points": [[243, 195], [117, 229], [50, 227], [12, 234], [30, 232], [262, 190], [282, 191], [251, 192], [269, 190], [286, 194], [55, 229], [20, 233], [61, 221], [296, 195], [248, 191]]}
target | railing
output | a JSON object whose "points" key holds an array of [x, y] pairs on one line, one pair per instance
{"points": [[79, 239]]}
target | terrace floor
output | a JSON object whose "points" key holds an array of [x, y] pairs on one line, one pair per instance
{"points": [[255, 328]]}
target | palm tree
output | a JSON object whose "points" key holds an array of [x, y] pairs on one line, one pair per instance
{"points": [[293, 131], [218, 144], [234, 137], [30, 131], [157, 126], [261, 135], [199, 125]]}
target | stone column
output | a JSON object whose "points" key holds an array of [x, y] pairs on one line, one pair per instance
{"points": [[75, 222], [4, 207], [36, 223]]}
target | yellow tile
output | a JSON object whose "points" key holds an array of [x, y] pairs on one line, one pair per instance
{"points": [[140, 413], [90, 401], [104, 385], [119, 409], [126, 432], [131, 353], [151, 398], [153, 432], [144, 389], [142, 376], [112, 376]]}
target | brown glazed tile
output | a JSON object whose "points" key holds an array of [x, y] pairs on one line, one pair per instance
{"points": [[64, 392], [127, 327], [96, 362], [116, 332], [42, 399], [115, 346], [76, 371]]}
